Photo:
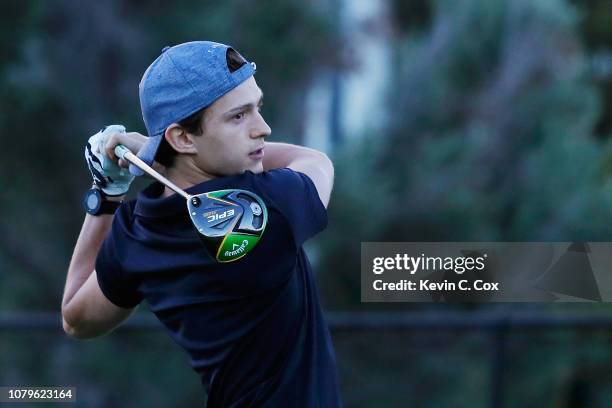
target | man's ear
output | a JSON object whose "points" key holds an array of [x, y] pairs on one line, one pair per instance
{"points": [[179, 139]]}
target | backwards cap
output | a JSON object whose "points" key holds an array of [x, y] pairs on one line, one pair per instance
{"points": [[181, 81]]}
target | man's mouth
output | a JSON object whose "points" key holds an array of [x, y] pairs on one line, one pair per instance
{"points": [[257, 154]]}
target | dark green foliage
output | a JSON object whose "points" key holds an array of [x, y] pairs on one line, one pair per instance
{"points": [[499, 132], [493, 137]]}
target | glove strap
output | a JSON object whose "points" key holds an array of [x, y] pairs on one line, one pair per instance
{"points": [[109, 207]]}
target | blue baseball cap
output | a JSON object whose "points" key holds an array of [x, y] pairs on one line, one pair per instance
{"points": [[182, 80]]}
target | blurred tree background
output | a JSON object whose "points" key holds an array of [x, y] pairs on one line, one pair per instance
{"points": [[496, 137], [500, 116]]}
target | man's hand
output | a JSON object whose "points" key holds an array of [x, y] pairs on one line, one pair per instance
{"points": [[132, 140], [109, 173]]}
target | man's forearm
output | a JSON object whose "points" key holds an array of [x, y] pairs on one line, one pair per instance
{"points": [[279, 155], [100, 147], [315, 164], [82, 264]]}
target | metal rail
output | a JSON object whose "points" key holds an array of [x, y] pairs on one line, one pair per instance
{"points": [[355, 321], [496, 324]]}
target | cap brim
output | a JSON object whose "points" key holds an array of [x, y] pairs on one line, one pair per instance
{"points": [[147, 153]]}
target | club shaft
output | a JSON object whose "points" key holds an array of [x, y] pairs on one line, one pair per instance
{"points": [[126, 154]]}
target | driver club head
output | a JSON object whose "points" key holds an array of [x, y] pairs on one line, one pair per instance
{"points": [[230, 222]]}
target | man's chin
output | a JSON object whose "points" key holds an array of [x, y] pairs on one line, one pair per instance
{"points": [[258, 168]]}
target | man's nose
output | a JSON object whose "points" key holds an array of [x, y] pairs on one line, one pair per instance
{"points": [[260, 127]]}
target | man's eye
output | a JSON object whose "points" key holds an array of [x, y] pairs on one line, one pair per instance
{"points": [[239, 116]]}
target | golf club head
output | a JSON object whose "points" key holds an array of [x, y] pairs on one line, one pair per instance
{"points": [[229, 222]]}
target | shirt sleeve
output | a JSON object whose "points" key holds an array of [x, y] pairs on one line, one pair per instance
{"points": [[297, 199], [115, 285]]}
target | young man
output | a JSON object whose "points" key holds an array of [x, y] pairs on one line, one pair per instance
{"points": [[253, 327]]}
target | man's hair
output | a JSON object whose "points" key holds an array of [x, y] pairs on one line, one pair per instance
{"points": [[193, 124]]}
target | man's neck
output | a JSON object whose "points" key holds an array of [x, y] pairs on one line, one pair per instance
{"points": [[185, 174]]}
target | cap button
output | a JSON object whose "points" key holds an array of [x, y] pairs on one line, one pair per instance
{"points": [[165, 48]]}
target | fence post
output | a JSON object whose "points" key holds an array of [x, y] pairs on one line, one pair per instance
{"points": [[499, 338]]}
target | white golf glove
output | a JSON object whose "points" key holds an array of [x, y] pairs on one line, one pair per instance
{"points": [[107, 175]]}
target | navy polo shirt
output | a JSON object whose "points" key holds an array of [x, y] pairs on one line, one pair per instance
{"points": [[253, 328]]}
